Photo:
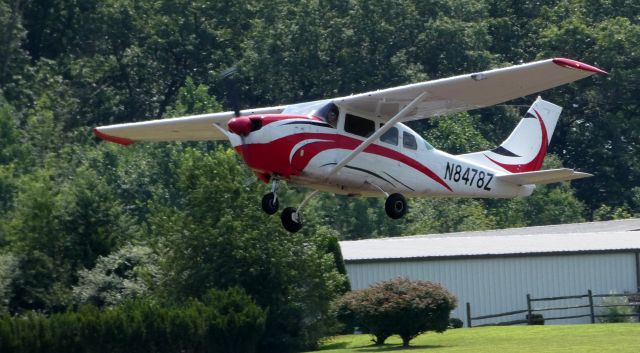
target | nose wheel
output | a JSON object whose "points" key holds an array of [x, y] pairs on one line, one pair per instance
{"points": [[270, 203]]}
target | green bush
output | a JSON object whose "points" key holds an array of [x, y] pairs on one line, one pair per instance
{"points": [[535, 319], [615, 308], [224, 321], [454, 322], [399, 306]]}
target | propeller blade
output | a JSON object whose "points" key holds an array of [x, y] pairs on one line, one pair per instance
{"points": [[232, 88]]}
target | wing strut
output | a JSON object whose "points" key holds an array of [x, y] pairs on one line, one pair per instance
{"points": [[384, 128]]}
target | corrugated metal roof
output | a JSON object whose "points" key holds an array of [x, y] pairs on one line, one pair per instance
{"points": [[581, 237]]}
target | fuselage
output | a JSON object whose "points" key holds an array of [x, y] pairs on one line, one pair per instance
{"points": [[303, 149]]}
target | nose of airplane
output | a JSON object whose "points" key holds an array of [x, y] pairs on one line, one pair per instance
{"points": [[240, 125], [243, 125]]}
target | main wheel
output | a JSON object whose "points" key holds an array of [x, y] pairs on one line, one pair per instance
{"points": [[396, 206], [291, 220], [270, 203]]}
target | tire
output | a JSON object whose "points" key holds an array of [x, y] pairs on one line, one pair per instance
{"points": [[290, 220], [270, 203], [396, 206]]}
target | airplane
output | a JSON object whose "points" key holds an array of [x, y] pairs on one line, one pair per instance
{"points": [[357, 145]]}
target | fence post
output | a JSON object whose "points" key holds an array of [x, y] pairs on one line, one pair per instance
{"points": [[468, 314], [529, 312], [593, 317]]}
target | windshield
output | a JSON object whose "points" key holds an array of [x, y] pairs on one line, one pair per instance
{"points": [[308, 108]]}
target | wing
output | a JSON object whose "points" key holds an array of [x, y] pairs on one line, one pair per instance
{"points": [[543, 176], [188, 128], [471, 91]]}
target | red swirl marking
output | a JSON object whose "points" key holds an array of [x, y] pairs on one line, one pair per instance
{"points": [[272, 157], [536, 162]]}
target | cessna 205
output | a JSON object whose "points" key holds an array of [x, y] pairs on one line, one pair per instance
{"points": [[358, 145]]}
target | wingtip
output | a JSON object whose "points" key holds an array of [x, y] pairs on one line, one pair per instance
{"points": [[119, 140], [573, 64]]}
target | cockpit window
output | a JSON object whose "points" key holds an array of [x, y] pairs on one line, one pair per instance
{"points": [[329, 113]]}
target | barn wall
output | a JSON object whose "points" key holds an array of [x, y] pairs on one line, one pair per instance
{"points": [[494, 285]]}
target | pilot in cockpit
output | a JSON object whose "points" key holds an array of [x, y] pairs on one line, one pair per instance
{"points": [[330, 113]]}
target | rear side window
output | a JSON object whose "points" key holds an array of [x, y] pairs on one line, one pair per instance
{"points": [[409, 141], [359, 126], [391, 136]]}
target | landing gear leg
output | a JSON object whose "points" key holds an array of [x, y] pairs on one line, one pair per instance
{"points": [[292, 218], [270, 203]]}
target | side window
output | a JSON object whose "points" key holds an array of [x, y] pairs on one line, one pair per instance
{"points": [[391, 136], [409, 141], [359, 126]]}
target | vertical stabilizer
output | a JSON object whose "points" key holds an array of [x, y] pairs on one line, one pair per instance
{"points": [[524, 150]]}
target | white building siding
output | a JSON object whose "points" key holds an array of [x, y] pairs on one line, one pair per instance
{"points": [[495, 285]]}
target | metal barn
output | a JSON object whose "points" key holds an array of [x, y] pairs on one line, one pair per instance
{"points": [[495, 270]]}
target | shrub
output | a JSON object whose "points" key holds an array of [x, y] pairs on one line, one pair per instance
{"points": [[454, 322], [400, 306], [225, 321], [535, 319], [615, 308]]}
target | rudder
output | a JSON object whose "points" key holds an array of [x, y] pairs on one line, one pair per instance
{"points": [[524, 150]]}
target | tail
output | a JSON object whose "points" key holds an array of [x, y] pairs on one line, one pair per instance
{"points": [[524, 150]]}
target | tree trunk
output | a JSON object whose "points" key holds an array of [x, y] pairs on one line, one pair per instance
{"points": [[406, 340]]}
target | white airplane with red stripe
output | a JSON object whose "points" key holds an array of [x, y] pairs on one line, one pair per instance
{"points": [[358, 145]]}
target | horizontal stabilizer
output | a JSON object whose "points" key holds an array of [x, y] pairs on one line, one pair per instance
{"points": [[543, 176]]}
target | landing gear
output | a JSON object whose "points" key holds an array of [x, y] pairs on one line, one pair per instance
{"points": [[396, 206], [292, 217], [291, 220], [270, 203]]}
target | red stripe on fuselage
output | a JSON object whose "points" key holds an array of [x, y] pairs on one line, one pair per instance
{"points": [[536, 162], [273, 157]]}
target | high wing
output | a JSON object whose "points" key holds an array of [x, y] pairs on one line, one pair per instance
{"points": [[187, 128], [427, 99], [543, 176], [470, 91]]}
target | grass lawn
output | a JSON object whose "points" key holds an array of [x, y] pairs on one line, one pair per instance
{"points": [[557, 338]]}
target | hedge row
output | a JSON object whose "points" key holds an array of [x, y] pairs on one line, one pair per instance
{"points": [[224, 321]]}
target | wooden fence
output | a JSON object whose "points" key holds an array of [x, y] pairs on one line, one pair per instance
{"points": [[533, 316]]}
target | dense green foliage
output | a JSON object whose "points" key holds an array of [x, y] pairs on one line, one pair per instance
{"points": [[88, 222], [224, 321], [399, 306]]}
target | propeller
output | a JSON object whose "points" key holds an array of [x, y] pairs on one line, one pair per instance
{"points": [[239, 126], [232, 88]]}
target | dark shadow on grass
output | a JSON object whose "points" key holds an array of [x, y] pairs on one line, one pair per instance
{"points": [[395, 347], [335, 345]]}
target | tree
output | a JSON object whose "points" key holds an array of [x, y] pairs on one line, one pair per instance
{"points": [[130, 272], [8, 273], [217, 237], [399, 306]]}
